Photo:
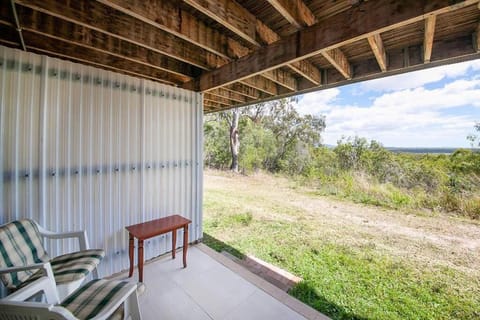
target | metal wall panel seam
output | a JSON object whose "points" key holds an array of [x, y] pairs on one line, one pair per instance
{"points": [[3, 75]]}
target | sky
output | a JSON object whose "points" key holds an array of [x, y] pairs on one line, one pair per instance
{"points": [[436, 107]]}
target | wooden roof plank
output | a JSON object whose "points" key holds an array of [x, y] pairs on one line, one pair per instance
{"points": [[228, 94], [230, 14], [294, 11], [333, 32], [99, 17], [221, 11], [79, 35], [378, 49], [167, 16], [429, 34], [261, 84], [477, 37], [67, 50], [245, 90], [336, 57], [282, 78]]}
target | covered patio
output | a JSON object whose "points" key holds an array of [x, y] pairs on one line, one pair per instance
{"points": [[102, 104], [213, 287]]}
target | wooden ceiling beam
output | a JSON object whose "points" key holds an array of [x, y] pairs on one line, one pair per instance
{"points": [[261, 84], [333, 32], [219, 100], [338, 59], [307, 70], [227, 94], [167, 16], [294, 11], [84, 37], [282, 78], [99, 17], [240, 21], [230, 14], [477, 37], [378, 49], [66, 50], [246, 91], [428, 40]]}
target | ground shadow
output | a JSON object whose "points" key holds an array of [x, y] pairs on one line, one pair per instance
{"points": [[303, 291]]}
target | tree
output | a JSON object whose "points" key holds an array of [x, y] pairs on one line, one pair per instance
{"points": [[274, 137], [473, 138], [294, 135]]}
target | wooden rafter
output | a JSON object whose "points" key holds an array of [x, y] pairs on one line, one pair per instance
{"points": [[167, 16], [261, 84], [228, 94], [338, 59], [428, 40], [93, 15], [246, 91], [378, 49], [281, 77], [41, 24], [295, 11], [237, 19], [217, 99], [49, 45], [325, 36], [477, 37]]}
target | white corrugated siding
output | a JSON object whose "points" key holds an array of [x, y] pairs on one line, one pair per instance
{"points": [[84, 148]]}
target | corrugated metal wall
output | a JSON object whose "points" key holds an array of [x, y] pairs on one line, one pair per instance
{"points": [[84, 148]]}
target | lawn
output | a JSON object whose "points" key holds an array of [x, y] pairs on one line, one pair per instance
{"points": [[356, 261]]}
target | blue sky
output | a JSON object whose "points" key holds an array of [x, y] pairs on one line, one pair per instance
{"points": [[436, 107]]}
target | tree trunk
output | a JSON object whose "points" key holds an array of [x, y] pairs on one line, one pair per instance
{"points": [[234, 140]]}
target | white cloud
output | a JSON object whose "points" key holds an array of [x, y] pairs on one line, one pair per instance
{"points": [[408, 117], [318, 102], [420, 78]]}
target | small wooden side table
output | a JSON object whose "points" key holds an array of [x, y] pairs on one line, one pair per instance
{"points": [[154, 228]]}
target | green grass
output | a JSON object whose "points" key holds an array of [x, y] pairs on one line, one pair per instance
{"points": [[340, 280]]}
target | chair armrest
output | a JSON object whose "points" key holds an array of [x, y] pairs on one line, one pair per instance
{"points": [[45, 284], [80, 235], [42, 265]]}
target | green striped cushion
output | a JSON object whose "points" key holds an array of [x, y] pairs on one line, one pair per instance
{"points": [[74, 266], [20, 244], [92, 298]]}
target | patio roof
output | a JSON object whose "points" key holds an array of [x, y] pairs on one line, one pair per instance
{"points": [[213, 287], [239, 53]]}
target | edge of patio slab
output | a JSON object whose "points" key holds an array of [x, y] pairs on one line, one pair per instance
{"points": [[294, 304]]}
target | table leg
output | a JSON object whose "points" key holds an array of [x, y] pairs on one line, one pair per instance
{"points": [[130, 253], [185, 245], [140, 260], [174, 242]]}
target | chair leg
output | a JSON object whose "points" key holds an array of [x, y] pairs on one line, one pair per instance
{"points": [[131, 308]]}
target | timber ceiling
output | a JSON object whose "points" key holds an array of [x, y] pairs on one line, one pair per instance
{"points": [[242, 52]]}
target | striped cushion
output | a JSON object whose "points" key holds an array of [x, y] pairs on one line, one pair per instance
{"points": [[95, 296], [74, 266], [20, 244]]}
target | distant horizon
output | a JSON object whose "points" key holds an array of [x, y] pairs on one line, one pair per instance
{"points": [[435, 107], [420, 147]]}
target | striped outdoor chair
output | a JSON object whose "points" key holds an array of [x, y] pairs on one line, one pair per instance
{"points": [[98, 299], [22, 249]]}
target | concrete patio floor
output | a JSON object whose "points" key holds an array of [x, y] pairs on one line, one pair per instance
{"points": [[212, 287]]}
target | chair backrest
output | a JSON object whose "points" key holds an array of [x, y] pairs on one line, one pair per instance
{"points": [[20, 244]]}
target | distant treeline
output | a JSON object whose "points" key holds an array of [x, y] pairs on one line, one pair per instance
{"points": [[428, 150], [275, 138]]}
